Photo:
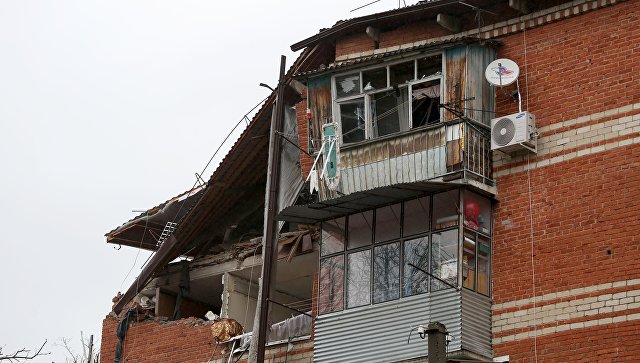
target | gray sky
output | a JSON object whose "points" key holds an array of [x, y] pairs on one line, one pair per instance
{"points": [[112, 106]]}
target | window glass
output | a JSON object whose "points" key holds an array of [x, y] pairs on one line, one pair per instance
{"points": [[332, 236], [445, 209], [401, 73], [390, 112], [359, 279], [429, 66], [484, 261], [348, 85], [374, 79], [388, 223], [416, 252], [477, 212], [352, 121], [469, 261], [425, 103], [331, 284], [386, 272], [360, 229], [444, 259], [416, 216]]}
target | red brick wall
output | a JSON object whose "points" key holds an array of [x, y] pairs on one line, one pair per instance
{"points": [[306, 161], [613, 343], [182, 341], [586, 218], [586, 210], [581, 65]]}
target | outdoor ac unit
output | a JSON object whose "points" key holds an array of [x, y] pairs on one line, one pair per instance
{"points": [[514, 132]]}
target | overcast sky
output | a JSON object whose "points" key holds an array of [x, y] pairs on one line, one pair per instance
{"points": [[112, 106]]}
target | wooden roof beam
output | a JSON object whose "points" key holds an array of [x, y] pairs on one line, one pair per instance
{"points": [[449, 22]]}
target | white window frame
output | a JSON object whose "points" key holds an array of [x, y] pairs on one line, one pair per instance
{"points": [[367, 95]]}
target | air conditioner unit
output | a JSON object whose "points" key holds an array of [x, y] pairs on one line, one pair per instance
{"points": [[514, 132]]}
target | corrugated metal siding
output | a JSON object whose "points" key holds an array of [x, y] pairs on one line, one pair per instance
{"points": [[378, 333], [405, 159], [476, 323], [482, 107]]}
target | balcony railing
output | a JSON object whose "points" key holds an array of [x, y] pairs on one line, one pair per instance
{"points": [[453, 150]]}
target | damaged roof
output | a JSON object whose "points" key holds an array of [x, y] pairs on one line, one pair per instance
{"points": [[132, 233], [239, 180]]}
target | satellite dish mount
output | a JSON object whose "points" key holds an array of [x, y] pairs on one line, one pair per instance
{"points": [[503, 72]]}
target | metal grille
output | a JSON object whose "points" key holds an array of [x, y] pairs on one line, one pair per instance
{"points": [[503, 131]]}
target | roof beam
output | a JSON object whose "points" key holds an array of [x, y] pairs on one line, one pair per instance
{"points": [[449, 22], [523, 6]]}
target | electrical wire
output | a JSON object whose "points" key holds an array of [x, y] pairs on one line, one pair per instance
{"points": [[531, 236], [204, 170], [246, 311], [146, 224]]}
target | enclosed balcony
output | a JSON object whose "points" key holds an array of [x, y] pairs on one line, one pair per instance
{"points": [[455, 151]]}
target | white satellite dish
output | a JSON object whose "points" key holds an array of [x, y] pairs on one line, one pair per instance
{"points": [[502, 72]]}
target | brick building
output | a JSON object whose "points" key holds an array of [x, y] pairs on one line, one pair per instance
{"points": [[525, 253]]}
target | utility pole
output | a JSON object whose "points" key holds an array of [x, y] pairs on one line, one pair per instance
{"points": [[270, 235], [90, 349], [436, 343]]}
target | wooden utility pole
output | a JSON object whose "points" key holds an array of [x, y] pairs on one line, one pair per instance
{"points": [[270, 235]]}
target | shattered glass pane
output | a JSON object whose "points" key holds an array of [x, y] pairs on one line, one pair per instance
{"points": [[352, 121], [348, 85], [401, 73], [374, 79]]}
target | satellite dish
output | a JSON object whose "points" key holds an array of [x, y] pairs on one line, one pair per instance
{"points": [[502, 72]]}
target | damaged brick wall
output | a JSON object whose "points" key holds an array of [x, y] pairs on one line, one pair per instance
{"points": [[184, 341]]}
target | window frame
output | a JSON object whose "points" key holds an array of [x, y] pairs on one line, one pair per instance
{"points": [[367, 96], [402, 241]]}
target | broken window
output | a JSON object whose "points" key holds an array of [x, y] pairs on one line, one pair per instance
{"points": [[388, 99], [352, 120]]}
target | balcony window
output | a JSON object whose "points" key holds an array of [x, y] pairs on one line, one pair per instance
{"points": [[391, 252], [359, 279], [333, 236], [360, 229], [388, 99]]}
